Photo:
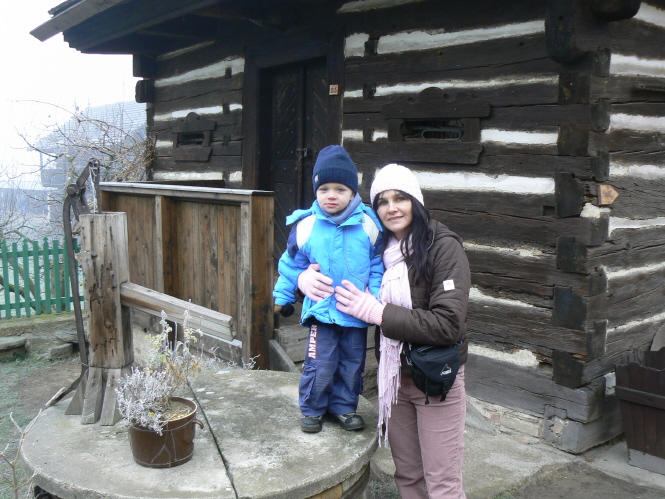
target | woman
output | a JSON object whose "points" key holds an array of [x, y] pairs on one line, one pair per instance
{"points": [[424, 296]]}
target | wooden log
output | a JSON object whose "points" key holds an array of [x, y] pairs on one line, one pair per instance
{"points": [[145, 91], [531, 389], [488, 228], [569, 195], [576, 437], [572, 30], [615, 10], [631, 88], [465, 153], [105, 265], [637, 38], [143, 66], [529, 328], [638, 198], [509, 95]]}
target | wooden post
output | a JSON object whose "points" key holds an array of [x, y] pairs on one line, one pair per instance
{"points": [[105, 264]]}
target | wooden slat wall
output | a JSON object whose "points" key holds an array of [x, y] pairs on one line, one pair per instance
{"points": [[216, 247], [207, 80]]}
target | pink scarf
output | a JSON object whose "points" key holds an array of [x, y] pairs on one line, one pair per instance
{"points": [[395, 289]]}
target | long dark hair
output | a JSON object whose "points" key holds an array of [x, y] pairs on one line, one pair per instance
{"points": [[418, 233]]}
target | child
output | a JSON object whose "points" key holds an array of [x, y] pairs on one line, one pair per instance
{"points": [[341, 237]]}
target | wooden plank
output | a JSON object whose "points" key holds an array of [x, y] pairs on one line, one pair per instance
{"points": [[509, 95], [262, 317], [199, 94], [244, 281], [530, 328], [530, 389], [487, 54], [631, 88], [490, 228], [526, 205], [153, 302], [464, 153], [641, 397], [223, 165], [228, 218], [158, 244], [520, 117], [629, 248], [511, 271], [183, 192], [204, 55], [637, 38], [393, 74], [635, 144]]}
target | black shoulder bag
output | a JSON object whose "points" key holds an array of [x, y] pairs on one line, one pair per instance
{"points": [[433, 368]]}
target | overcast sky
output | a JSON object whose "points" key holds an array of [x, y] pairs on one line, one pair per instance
{"points": [[48, 72]]}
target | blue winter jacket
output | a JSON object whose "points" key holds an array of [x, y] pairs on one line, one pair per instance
{"points": [[350, 250]]}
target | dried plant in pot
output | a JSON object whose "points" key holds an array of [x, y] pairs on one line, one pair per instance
{"points": [[162, 425]]}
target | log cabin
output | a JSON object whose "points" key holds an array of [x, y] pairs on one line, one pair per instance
{"points": [[536, 128]]}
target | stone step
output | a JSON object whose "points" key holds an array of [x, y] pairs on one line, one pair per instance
{"points": [[12, 348]]}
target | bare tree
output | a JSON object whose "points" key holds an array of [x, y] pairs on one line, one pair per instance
{"points": [[109, 134]]}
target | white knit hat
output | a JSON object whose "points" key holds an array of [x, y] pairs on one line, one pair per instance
{"points": [[395, 177]]}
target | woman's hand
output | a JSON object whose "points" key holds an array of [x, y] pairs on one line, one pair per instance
{"points": [[359, 304], [315, 285]]}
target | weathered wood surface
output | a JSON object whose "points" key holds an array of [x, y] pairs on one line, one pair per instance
{"points": [[490, 228], [531, 389], [213, 251], [628, 248], [500, 326], [153, 302], [104, 261]]}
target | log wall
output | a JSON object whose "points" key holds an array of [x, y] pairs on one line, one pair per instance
{"points": [[561, 104], [207, 80]]}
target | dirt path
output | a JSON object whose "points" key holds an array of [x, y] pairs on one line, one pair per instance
{"points": [[25, 386]]}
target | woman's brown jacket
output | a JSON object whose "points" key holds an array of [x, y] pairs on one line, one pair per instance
{"points": [[439, 309]]}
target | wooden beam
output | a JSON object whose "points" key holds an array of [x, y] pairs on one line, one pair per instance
{"points": [[154, 302], [117, 22], [569, 195], [74, 15], [615, 10]]}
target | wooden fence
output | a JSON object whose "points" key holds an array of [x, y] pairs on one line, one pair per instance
{"points": [[34, 280], [210, 246]]}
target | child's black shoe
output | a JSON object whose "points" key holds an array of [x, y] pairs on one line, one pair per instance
{"points": [[311, 424], [350, 421]]}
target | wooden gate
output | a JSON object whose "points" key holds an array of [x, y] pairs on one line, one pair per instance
{"points": [[294, 103], [210, 246]]}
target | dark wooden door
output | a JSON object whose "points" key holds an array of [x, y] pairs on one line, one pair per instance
{"points": [[294, 105]]}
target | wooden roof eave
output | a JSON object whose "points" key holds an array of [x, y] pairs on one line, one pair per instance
{"points": [[92, 23], [76, 14]]}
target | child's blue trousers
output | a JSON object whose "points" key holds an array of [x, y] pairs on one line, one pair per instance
{"points": [[332, 377]]}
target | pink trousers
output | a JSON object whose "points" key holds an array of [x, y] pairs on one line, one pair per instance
{"points": [[427, 441]]}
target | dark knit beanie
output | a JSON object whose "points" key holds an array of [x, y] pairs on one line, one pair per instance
{"points": [[334, 164]]}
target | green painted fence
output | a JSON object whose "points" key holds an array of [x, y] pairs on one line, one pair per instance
{"points": [[34, 280]]}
